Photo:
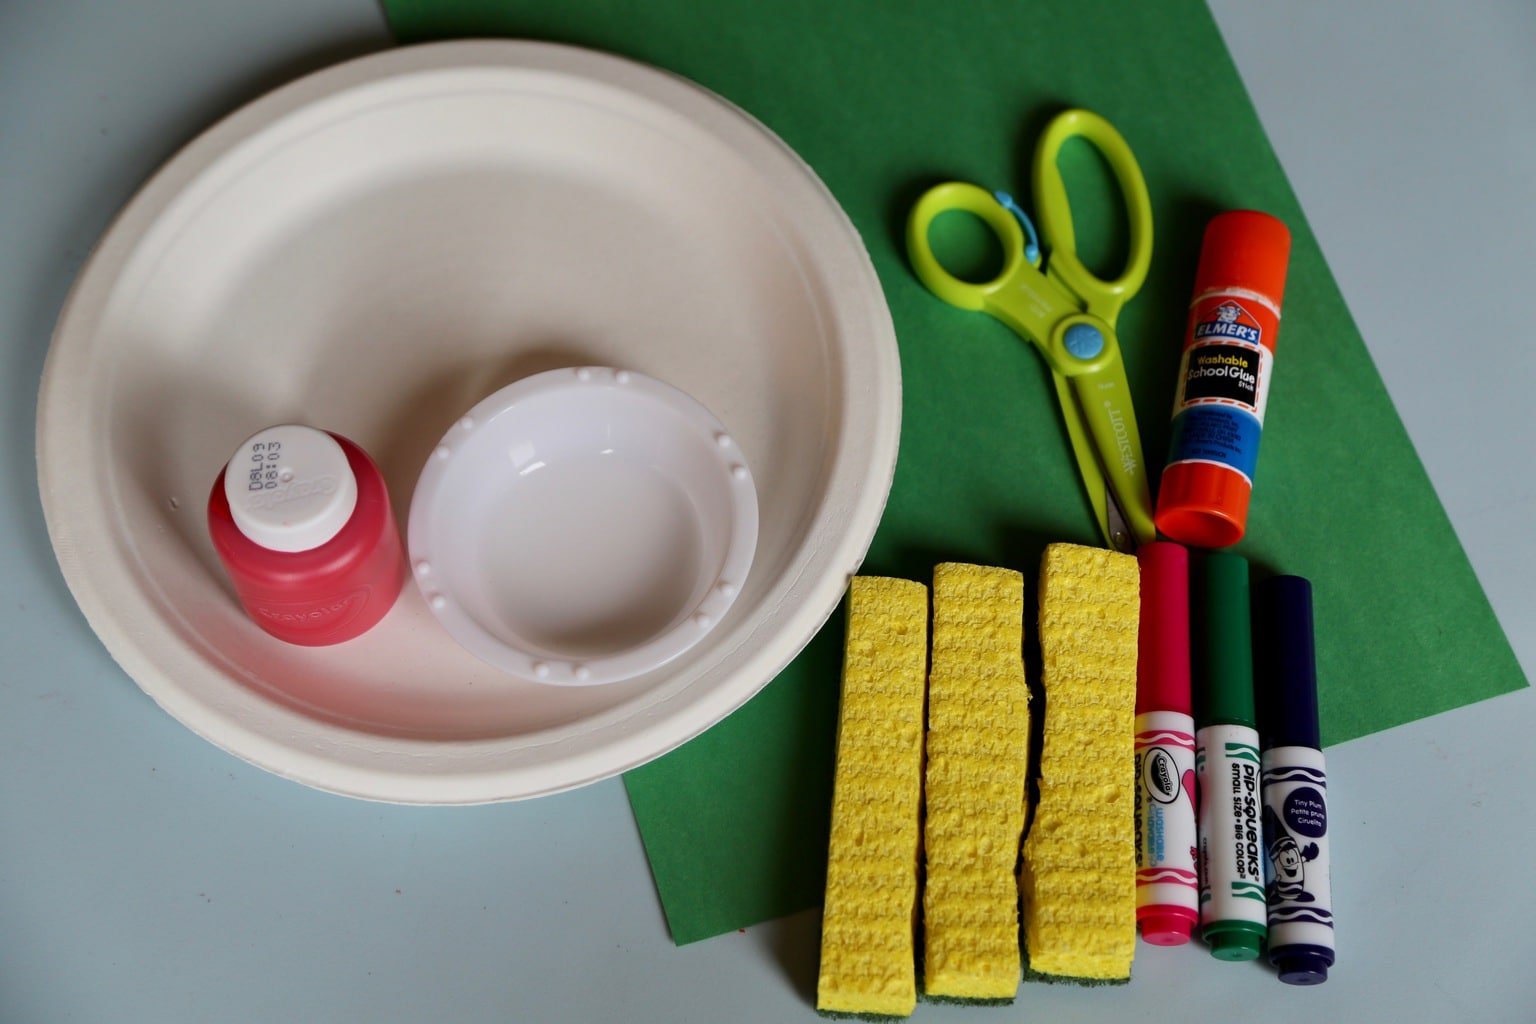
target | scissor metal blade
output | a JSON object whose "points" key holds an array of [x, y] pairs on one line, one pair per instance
{"points": [[1111, 518], [1117, 530]]}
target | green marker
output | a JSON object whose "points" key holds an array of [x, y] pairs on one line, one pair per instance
{"points": [[1232, 899]]}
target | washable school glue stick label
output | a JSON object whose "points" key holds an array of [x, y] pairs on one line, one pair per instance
{"points": [[1224, 374], [1165, 813], [1295, 823], [1231, 850]]}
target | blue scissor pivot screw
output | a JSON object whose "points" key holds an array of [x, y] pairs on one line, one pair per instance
{"points": [[1084, 341]]}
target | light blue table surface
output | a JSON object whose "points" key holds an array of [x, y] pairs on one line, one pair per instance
{"points": [[146, 876]]}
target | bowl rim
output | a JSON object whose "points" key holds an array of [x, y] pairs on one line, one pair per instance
{"points": [[665, 404]]}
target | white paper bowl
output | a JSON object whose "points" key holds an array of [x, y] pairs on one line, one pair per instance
{"points": [[373, 250], [583, 526]]}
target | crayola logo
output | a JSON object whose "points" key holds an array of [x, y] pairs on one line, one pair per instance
{"points": [[274, 496], [1160, 776], [332, 614]]}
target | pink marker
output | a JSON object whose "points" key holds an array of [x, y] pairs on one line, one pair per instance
{"points": [[1167, 888]]}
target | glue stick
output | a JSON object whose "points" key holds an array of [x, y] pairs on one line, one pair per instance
{"points": [[1229, 356]]}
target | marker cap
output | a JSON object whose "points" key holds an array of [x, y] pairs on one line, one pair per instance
{"points": [[1162, 658], [1285, 662], [1235, 940], [1302, 965], [1167, 928], [1221, 640], [1244, 249]]}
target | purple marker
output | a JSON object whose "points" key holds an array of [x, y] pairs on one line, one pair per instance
{"points": [[1295, 783]]}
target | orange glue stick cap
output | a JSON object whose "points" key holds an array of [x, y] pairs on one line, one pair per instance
{"points": [[1201, 508], [1245, 249]]}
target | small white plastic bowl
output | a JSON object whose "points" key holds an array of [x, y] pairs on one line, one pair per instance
{"points": [[583, 526]]}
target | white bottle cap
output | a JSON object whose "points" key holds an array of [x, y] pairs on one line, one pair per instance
{"points": [[290, 488]]}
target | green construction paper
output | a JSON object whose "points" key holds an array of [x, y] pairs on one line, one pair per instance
{"points": [[886, 98]]}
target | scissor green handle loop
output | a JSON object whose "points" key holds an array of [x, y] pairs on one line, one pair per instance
{"points": [[1033, 304], [959, 196], [1103, 298]]}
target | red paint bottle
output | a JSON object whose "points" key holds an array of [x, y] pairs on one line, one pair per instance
{"points": [[301, 520]]}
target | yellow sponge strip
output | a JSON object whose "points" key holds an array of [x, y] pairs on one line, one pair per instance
{"points": [[868, 958], [1078, 877], [978, 755]]}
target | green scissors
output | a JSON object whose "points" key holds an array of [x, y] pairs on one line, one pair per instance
{"points": [[1067, 312]]}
